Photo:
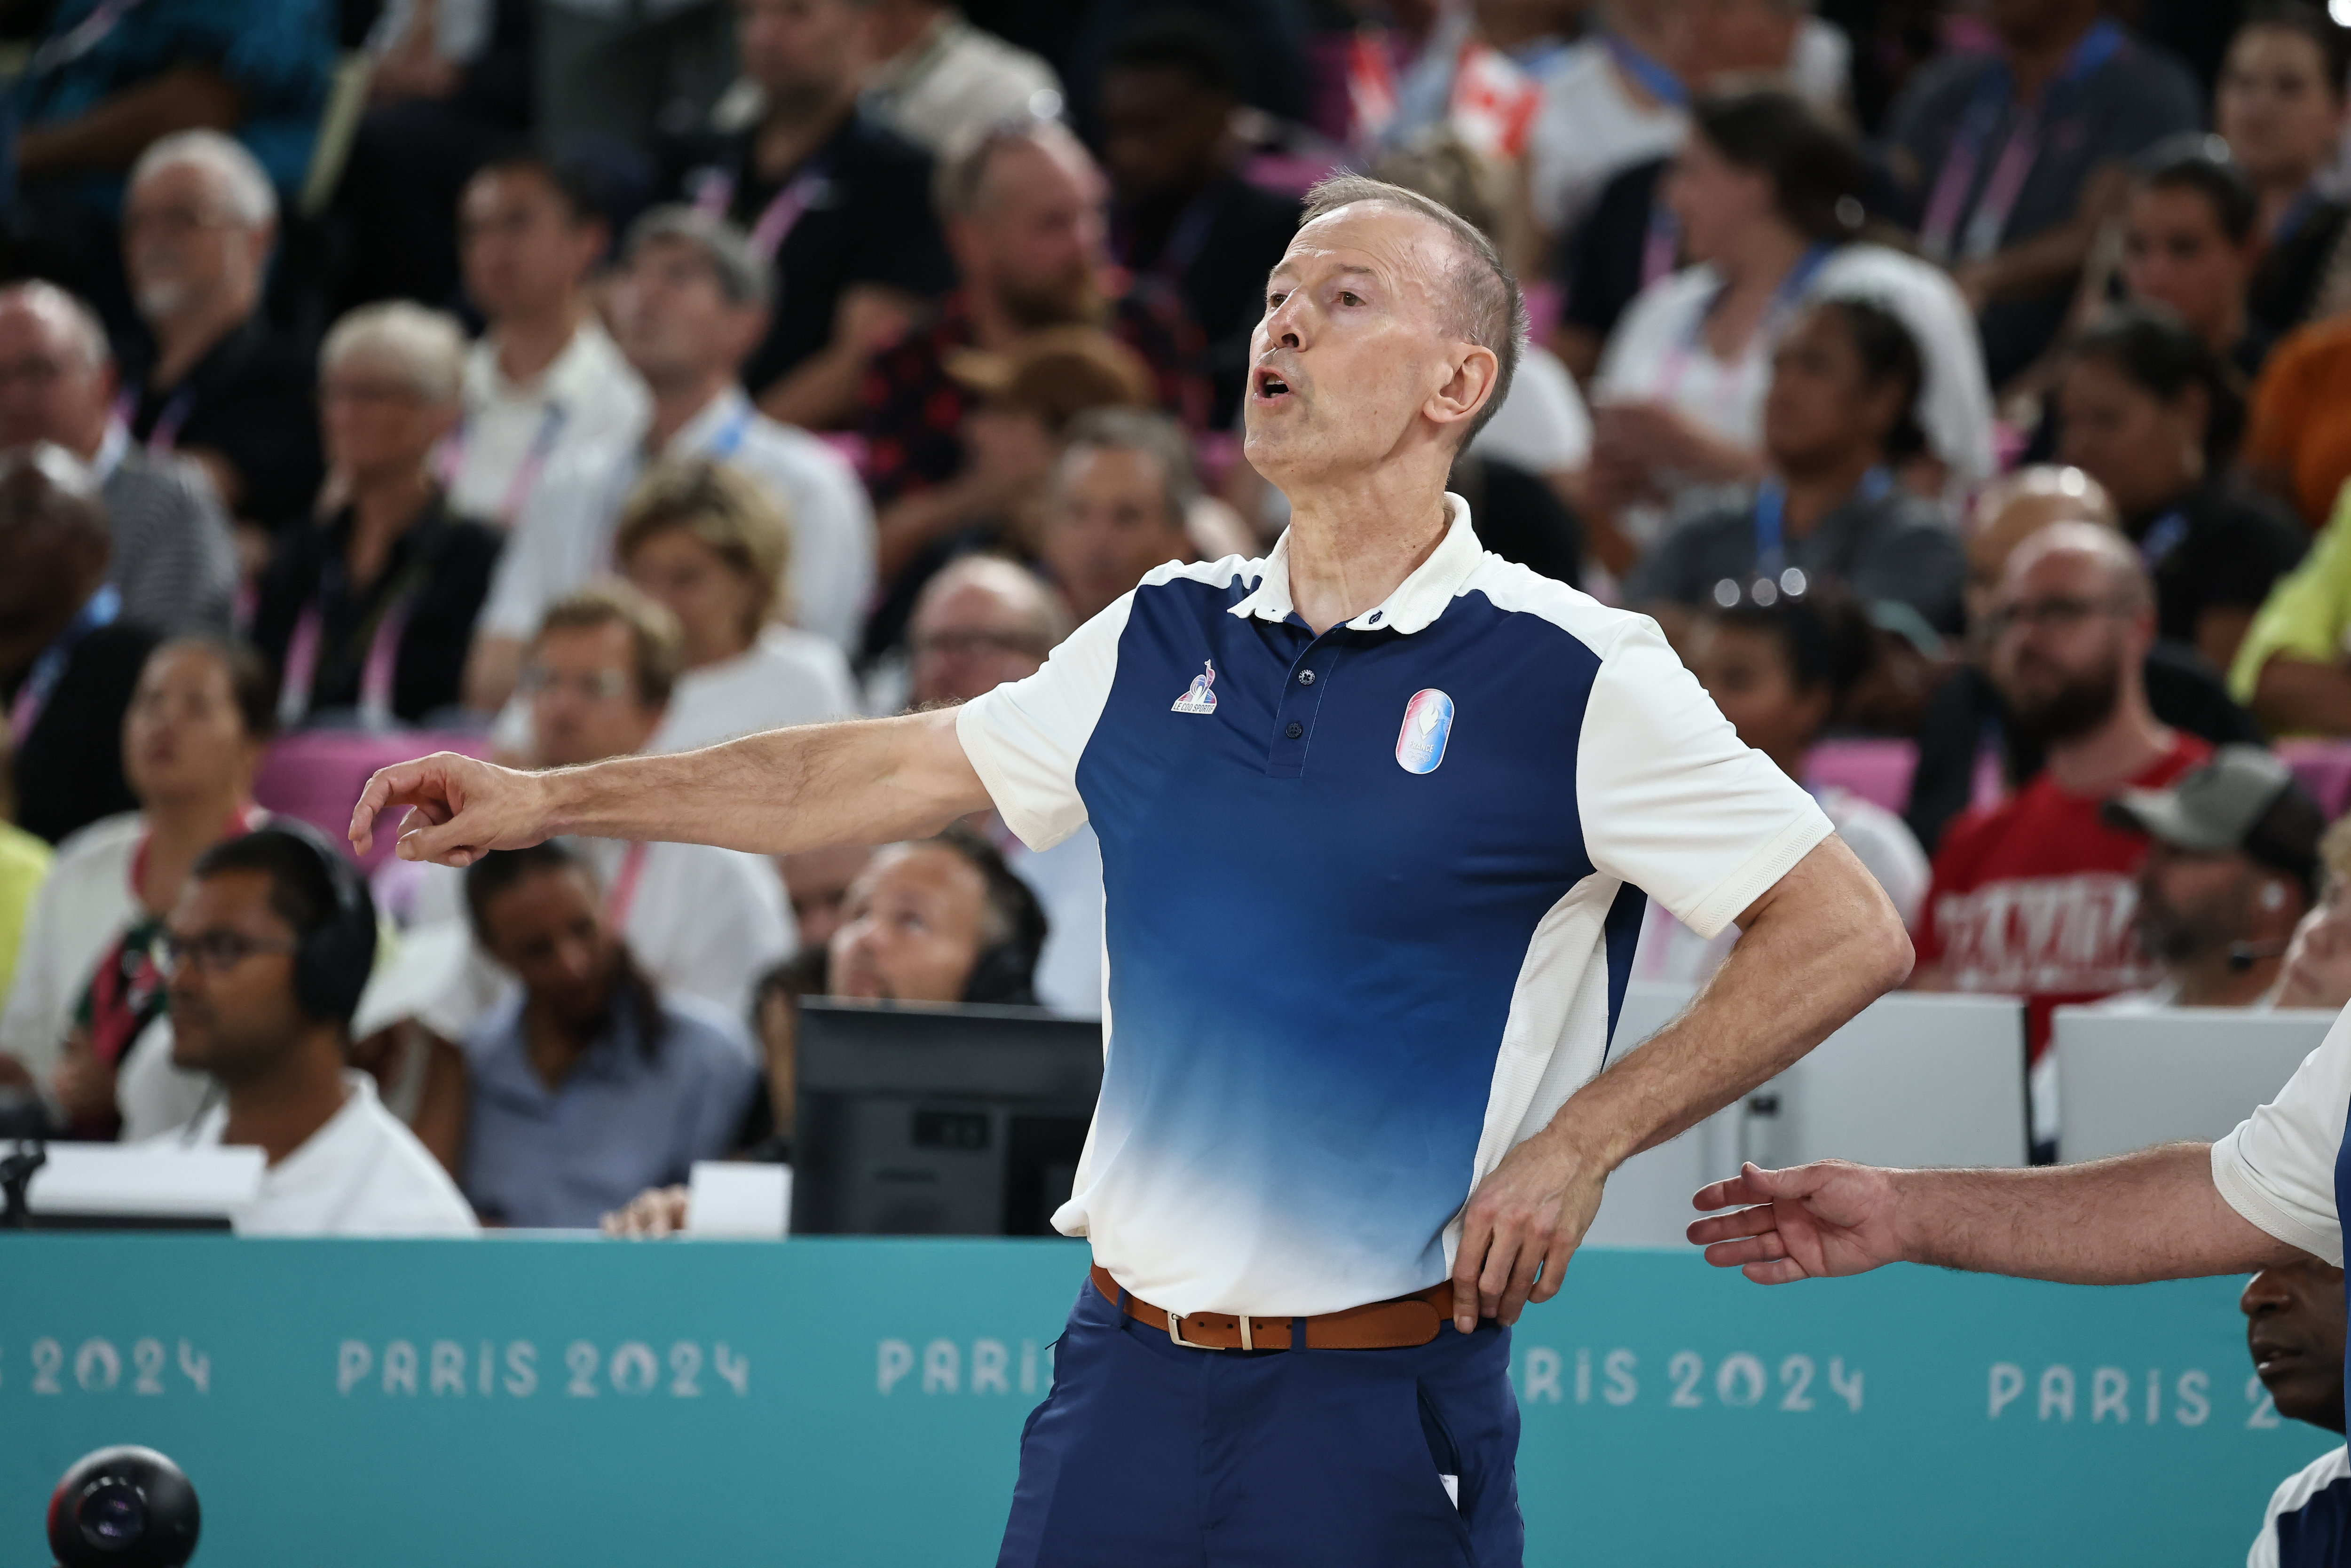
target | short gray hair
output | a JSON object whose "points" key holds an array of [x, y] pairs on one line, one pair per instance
{"points": [[1487, 308], [245, 184], [81, 323], [428, 344], [744, 276], [1146, 431], [963, 177]]}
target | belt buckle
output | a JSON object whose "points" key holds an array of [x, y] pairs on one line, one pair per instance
{"points": [[1176, 1332]]}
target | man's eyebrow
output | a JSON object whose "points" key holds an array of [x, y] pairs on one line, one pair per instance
{"points": [[1350, 269]]}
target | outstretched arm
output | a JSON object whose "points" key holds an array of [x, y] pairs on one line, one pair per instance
{"points": [[2153, 1215], [865, 782], [1822, 944]]}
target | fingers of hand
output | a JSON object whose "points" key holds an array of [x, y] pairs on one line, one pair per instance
{"points": [[1554, 1270], [1475, 1238], [1747, 1250], [1757, 1221], [1786, 1272], [1726, 1193]]}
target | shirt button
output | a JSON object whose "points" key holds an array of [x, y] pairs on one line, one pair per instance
{"points": [[1294, 730], [1305, 677]]}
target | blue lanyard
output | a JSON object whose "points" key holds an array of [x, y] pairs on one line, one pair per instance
{"points": [[1939, 233], [47, 670], [1643, 67], [2290, 221], [730, 435], [2162, 536], [1771, 518]]}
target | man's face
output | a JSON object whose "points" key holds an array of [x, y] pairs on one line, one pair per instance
{"points": [[2064, 633], [818, 882], [549, 929], [2294, 1327], [2193, 905], [519, 243], [2175, 253], [1108, 523], [183, 737], [672, 316], [970, 639], [181, 246], [799, 48], [50, 390], [585, 704], [1161, 130], [232, 994], [912, 927], [1034, 238], [1353, 344]]}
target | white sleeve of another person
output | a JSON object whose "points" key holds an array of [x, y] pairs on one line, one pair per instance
{"points": [[2277, 1168], [1024, 739]]}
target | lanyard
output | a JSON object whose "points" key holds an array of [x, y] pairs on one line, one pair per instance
{"points": [[784, 209], [1662, 249], [1643, 67], [303, 648], [34, 696], [623, 893], [1685, 349], [1771, 518], [163, 435], [85, 34], [2162, 536], [1988, 222], [2290, 221], [525, 476]]}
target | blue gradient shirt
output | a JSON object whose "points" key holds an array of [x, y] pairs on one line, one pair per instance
{"points": [[1370, 898]]}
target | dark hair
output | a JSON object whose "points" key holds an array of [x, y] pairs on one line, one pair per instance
{"points": [[1888, 353], [500, 870], [2156, 351], [1820, 177], [301, 894], [2334, 42], [1825, 636], [251, 681], [578, 184], [2285, 837], [1195, 47], [323, 897], [2195, 161], [1012, 924]]}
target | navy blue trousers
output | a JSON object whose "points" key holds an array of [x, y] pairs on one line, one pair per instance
{"points": [[1147, 1455]]}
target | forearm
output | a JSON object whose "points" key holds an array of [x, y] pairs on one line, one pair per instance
{"points": [[1823, 944], [868, 781], [2298, 694], [2153, 1215], [117, 129]]}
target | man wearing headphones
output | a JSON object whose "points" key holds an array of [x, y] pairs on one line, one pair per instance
{"points": [[267, 952]]}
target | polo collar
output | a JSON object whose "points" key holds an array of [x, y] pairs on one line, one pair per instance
{"points": [[1415, 603], [708, 428]]}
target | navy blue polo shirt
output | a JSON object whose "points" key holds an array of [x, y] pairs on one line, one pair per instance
{"points": [[1370, 898]]}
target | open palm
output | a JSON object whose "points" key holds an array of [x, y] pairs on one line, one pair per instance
{"points": [[1808, 1222]]}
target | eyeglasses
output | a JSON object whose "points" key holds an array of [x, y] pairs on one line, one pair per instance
{"points": [[604, 685], [2059, 613], [212, 952]]}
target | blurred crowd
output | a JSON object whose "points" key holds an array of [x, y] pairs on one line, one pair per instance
{"points": [[558, 380]]}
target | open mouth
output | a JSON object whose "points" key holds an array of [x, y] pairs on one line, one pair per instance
{"points": [[1269, 386]]}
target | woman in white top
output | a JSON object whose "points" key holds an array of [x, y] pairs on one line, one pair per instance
{"points": [[87, 984], [1777, 671], [1768, 195], [712, 547]]}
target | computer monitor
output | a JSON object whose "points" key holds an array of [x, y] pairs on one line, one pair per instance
{"points": [[2126, 1079], [138, 1186], [939, 1120]]}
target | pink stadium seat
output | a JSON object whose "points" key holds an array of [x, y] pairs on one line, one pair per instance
{"points": [[317, 774], [1877, 770], [2324, 769]]}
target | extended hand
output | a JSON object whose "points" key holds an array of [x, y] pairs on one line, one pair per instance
{"points": [[1528, 1215], [1809, 1222], [459, 809]]}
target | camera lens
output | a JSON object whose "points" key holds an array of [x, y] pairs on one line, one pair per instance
{"points": [[112, 1515]]}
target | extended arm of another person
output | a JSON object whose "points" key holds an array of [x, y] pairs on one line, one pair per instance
{"points": [[865, 782], [1821, 945], [2153, 1215], [120, 126]]}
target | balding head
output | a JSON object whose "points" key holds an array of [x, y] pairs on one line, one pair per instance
{"points": [[2120, 572], [2070, 634], [2015, 507], [981, 621], [56, 379], [54, 546]]}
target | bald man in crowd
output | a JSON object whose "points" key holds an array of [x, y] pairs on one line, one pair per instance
{"points": [[1360, 962]]}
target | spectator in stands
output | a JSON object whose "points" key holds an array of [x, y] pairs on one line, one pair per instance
{"points": [[1116, 507], [2294, 1327], [2317, 972], [707, 543], [1759, 40], [623, 75], [1840, 420], [1024, 220], [173, 558], [2076, 618], [837, 203], [818, 882], [25, 862], [2290, 667], [2299, 443], [688, 307], [1770, 199], [1615, 99], [545, 383], [199, 223], [2150, 412], [2011, 162], [87, 984], [2280, 107], [1970, 751], [265, 954], [2231, 867], [69, 660], [1183, 213], [1780, 672], [593, 1083], [369, 611], [940, 82], [2189, 245]]}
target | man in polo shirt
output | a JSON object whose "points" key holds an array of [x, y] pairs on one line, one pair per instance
{"points": [[1376, 814]]}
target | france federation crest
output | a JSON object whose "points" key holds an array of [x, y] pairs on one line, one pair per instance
{"points": [[1427, 725], [1202, 696]]}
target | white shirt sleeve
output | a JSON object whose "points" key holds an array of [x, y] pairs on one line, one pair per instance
{"points": [[1024, 739], [2277, 1168], [1671, 800], [1955, 407]]}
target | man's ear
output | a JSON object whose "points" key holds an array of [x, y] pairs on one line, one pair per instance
{"points": [[1465, 391]]}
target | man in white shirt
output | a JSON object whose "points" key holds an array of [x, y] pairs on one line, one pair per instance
{"points": [[266, 953], [688, 307], [940, 81], [544, 382]]}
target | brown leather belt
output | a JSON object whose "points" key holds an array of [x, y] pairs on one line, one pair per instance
{"points": [[1379, 1325]]}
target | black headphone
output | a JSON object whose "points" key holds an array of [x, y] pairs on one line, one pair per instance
{"points": [[332, 963]]}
